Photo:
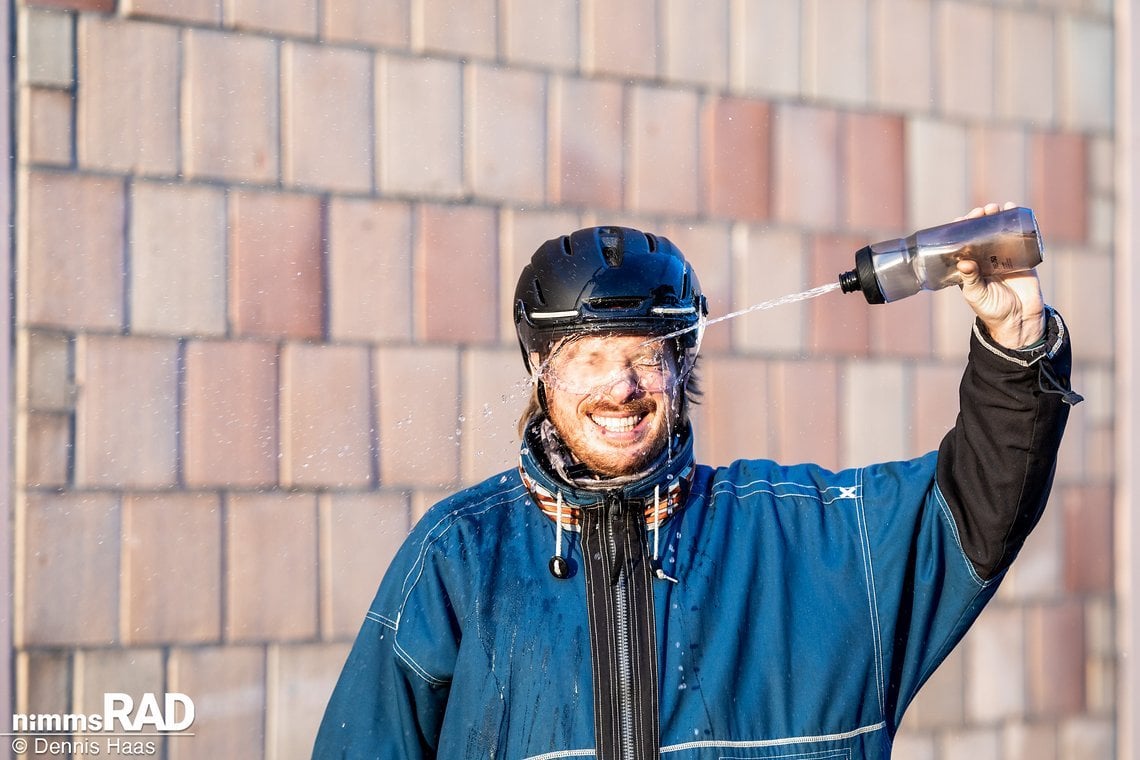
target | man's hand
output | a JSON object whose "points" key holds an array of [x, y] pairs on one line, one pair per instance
{"points": [[1010, 306]]}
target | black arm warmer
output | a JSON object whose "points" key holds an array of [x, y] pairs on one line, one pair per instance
{"points": [[995, 467]]}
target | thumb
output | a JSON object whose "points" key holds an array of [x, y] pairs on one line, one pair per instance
{"points": [[973, 286]]}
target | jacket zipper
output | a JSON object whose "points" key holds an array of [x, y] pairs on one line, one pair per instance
{"points": [[615, 511]]}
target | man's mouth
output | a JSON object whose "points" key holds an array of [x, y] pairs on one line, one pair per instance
{"points": [[618, 424]]}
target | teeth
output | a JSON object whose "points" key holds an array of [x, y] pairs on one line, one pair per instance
{"points": [[616, 424]]}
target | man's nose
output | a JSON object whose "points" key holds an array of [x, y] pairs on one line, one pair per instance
{"points": [[625, 385]]}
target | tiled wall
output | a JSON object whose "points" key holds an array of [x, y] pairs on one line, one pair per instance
{"points": [[265, 256]]}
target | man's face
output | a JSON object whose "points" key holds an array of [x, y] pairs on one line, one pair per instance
{"points": [[613, 400]]}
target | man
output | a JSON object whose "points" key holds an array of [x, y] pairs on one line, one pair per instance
{"points": [[613, 599]]}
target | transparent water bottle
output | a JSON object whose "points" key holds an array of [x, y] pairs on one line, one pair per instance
{"points": [[1000, 243]]}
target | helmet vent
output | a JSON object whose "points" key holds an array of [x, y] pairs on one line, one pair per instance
{"points": [[538, 292], [652, 240], [566, 245], [614, 303]]}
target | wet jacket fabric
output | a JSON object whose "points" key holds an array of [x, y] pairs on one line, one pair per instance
{"points": [[774, 611]]}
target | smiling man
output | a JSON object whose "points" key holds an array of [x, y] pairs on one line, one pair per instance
{"points": [[613, 599]]}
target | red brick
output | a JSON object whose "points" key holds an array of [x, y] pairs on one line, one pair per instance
{"points": [[874, 412], [1055, 651], [126, 418], [227, 685], [325, 422], [835, 50], [1058, 185], [45, 132], [520, 43], [459, 27], [195, 11], [587, 124], [364, 531], [370, 270], [127, 101], [695, 41], [608, 28], [99, 6], [420, 139], [301, 680], [230, 106], [872, 176], [734, 430], [840, 324], [935, 404], [523, 231], [901, 328], [327, 117], [71, 559], [43, 449], [995, 666], [901, 63], [229, 414], [805, 411], [495, 390], [386, 23], [178, 259], [271, 567], [293, 17], [662, 152], [1088, 539], [506, 133], [70, 238], [737, 157], [456, 254], [172, 551], [769, 263], [708, 248], [276, 286], [806, 167], [998, 166], [418, 410]]}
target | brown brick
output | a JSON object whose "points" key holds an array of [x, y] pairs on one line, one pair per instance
{"points": [[45, 133], [1087, 737], [70, 571], [506, 133], [495, 390], [607, 29], [965, 63], [325, 419], [456, 253], [840, 323], [230, 106], [195, 11], [227, 685], [737, 157], [877, 431], [998, 165], [45, 47], [1028, 741], [835, 50], [43, 449], [970, 743], [935, 403], [276, 286], [765, 47], [99, 6], [229, 416], [1058, 185], [271, 567], [940, 702], [661, 156], [178, 259], [1088, 538], [458, 27], [364, 531], [901, 60], [126, 418], [549, 51], [420, 138], [45, 678], [418, 410], [952, 321], [734, 430], [695, 41], [806, 166], [44, 384], [587, 130], [1055, 651], [1037, 573], [523, 231], [292, 17], [995, 665], [1025, 80], [70, 238], [133, 672], [913, 745], [805, 411], [370, 270], [327, 117], [937, 161], [386, 23], [903, 329], [424, 498], [769, 263], [303, 677], [873, 170], [172, 565], [708, 248], [127, 100]]}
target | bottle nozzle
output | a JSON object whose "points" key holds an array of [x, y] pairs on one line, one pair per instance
{"points": [[862, 278], [849, 281]]}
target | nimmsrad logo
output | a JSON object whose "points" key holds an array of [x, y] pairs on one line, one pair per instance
{"points": [[175, 712]]}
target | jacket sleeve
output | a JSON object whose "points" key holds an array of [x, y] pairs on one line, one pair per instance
{"points": [[995, 468]]}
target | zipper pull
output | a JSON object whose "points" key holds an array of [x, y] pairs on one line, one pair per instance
{"points": [[661, 576]]}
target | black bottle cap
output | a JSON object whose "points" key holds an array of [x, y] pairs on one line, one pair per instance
{"points": [[862, 277]]}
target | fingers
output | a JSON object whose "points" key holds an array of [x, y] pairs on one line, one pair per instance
{"points": [[987, 210]]}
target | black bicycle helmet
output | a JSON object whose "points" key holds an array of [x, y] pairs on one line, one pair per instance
{"points": [[607, 279]]}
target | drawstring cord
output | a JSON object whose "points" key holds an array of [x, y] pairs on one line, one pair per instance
{"points": [[559, 567], [659, 572]]}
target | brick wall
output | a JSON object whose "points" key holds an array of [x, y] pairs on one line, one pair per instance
{"points": [[265, 250]]}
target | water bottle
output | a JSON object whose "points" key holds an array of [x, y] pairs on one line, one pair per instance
{"points": [[1000, 243]]}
